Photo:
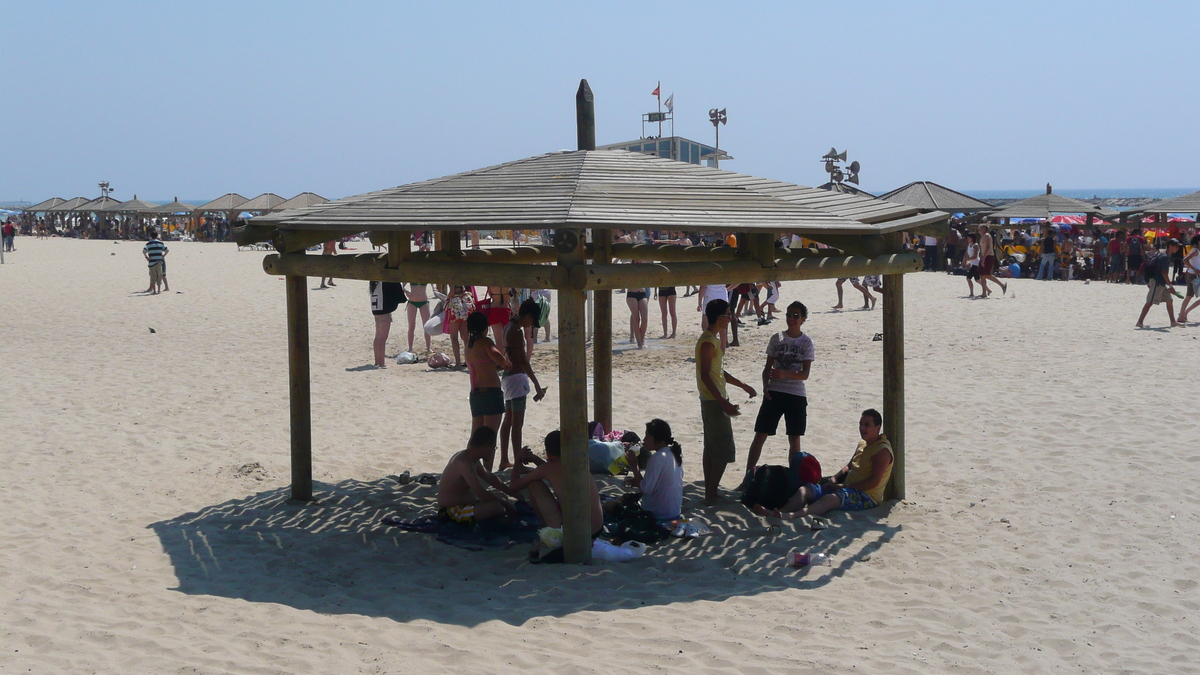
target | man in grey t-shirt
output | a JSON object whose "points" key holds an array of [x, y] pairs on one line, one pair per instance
{"points": [[789, 359]]}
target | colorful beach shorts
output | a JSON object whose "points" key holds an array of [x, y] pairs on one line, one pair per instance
{"points": [[852, 500], [853, 280], [463, 515]]}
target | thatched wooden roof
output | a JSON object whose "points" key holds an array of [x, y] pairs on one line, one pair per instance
{"points": [[69, 205], [174, 207], [267, 201], [97, 205], [1189, 203], [226, 202], [1046, 205], [134, 205], [929, 196], [301, 200], [44, 206], [603, 189]]}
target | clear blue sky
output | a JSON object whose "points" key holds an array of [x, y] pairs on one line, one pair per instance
{"points": [[198, 99]]}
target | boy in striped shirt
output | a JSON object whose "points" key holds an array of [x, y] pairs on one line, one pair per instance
{"points": [[155, 251]]}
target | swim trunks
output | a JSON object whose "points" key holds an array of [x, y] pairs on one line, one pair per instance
{"points": [[989, 262], [852, 500], [666, 291], [463, 515]]}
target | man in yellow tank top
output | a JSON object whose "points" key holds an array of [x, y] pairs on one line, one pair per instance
{"points": [[715, 407], [859, 485]]}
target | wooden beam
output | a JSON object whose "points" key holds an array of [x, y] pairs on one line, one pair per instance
{"points": [[602, 359], [871, 246], [299, 392], [373, 267], [677, 253], [399, 247], [762, 248], [452, 242], [893, 372], [506, 254], [248, 235], [294, 241], [635, 275]]}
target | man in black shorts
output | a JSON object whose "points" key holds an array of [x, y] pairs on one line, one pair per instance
{"points": [[386, 296], [789, 359]]}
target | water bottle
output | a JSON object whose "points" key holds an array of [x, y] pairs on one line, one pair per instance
{"points": [[619, 464], [803, 559]]}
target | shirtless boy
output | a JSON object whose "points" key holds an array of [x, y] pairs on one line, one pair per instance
{"points": [[987, 264], [546, 503], [462, 495], [517, 378]]}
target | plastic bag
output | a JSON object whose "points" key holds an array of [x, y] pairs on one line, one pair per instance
{"points": [[551, 536], [435, 325], [404, 358], [603, 550], [690, 528], [438, 360]]}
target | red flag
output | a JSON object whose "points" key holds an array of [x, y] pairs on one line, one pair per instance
{"points": [[655, 92]]}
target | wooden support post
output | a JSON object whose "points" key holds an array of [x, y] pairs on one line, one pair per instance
{"points": [[399, 245], [762, 247], [299, 392], [572, 370], [573, 409], [452, 242], [893, 375], [602, 335]]}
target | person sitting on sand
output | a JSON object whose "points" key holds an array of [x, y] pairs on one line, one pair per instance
{"points": [[547, 500], [517, 379], [462, 496], [662, 484], [858, 486]]}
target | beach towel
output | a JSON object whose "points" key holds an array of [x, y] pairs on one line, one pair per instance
{"points": [[493, 535]]}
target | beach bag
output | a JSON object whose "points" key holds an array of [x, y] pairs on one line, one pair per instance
{"points": [[633, 523], [438, 360], [459, 307], [769, 487], [436, 324]]}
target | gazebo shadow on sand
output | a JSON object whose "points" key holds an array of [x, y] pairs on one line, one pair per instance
{"points": [[336, 556]]}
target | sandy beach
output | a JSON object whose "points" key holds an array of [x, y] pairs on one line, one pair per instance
{"points": [[1050, 526]]}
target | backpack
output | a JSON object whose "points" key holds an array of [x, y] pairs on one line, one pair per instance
{"points": [[1149, 269], [1135, 246]]}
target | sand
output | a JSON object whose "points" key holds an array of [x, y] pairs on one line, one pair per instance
{"points": [[1050, 524]]}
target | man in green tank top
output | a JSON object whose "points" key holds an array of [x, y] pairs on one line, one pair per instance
{"points": [[715, 407]]}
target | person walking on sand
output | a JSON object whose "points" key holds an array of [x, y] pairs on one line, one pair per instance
{"points": [[386, 296], [716, 410], [328, 248], [790, 354], [155, 253], [666, 306], [1158, 284], [970, 262], [987, 264], [517, 379], [1191, 267], [868, 299]]}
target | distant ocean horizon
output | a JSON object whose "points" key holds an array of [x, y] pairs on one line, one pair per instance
{"points": [[1088, 193]]}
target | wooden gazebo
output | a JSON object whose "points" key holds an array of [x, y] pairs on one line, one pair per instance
{"points": [[929, 196], [572, 193]]}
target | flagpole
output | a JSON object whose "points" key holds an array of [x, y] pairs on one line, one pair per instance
{"points": [[658, 95]]}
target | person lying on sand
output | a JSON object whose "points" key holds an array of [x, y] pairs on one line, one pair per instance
{"points": [[462, 496], [858, 486], [546, 503]]}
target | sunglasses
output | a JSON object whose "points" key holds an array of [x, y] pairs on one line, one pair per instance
{"points": [[793, 316]]}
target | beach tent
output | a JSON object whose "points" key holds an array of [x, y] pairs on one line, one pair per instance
{"points": [[264, 203], [42, 207], [174, 207], [929, 196], [1045, 206], [301, 200], [597, 191]]}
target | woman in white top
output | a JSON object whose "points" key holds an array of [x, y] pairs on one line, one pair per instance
{"points": [[970, 262], [1191, 267], [707, 295], [662, 484]]}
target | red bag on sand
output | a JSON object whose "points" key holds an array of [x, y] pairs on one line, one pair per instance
{"points": [[438, 360]]}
